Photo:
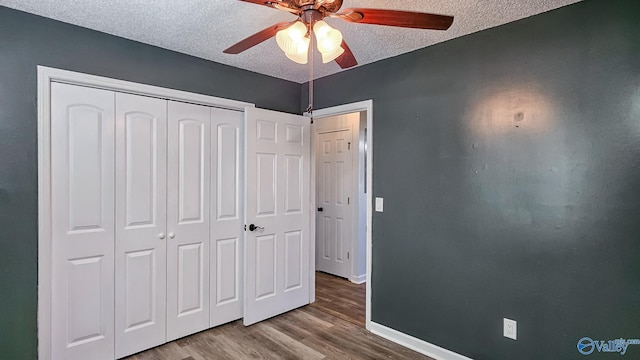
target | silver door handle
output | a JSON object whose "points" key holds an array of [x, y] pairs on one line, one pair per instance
{"points": [[161, 236], [172, 235]]}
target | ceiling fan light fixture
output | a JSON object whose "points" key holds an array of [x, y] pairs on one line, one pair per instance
{"points": [[294, 42], [299, 58], [329, 41]]}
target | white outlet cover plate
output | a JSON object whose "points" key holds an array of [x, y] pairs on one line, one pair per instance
{"points": [[510, 329], [379, 204]]}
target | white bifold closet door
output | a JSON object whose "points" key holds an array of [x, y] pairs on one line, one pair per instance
{"points": [[147, 221], [189, 161], [82, 218], [141, 221], [227, 214]]}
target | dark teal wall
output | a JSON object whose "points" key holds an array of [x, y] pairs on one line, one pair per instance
{"points": [[27, 41], [509, 161]]}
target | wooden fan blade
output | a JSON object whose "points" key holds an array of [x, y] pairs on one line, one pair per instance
{"points": [[257, 38], [259, 2], [408, 19], [331, 6], [280, 5], [346, 60]]}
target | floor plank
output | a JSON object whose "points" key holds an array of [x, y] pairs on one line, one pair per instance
{"points": [[341, 298], [330, 328]]}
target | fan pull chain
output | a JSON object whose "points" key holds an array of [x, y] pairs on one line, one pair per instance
{"points": [[310, 108]]}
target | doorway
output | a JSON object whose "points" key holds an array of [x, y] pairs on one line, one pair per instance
{"points": [[340, 196], [342, 174]]}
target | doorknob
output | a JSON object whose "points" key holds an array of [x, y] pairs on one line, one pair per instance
{"points": [[320, 209], [161, 236], [172, 235], [255, 227]]}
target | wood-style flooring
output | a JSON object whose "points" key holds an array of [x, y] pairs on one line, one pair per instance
{"points": [[330, 328], [341, 298]]}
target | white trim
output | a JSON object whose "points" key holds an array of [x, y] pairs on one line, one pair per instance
{"points": [[331, 126], [415, 344], [46, 76], [75, 78], [358, 279], [312, 213], [366, 105], [44, 216]]}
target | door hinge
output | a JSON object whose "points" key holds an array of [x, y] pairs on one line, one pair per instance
{"points": [[348, 200], [245, 227], [349, 146], [347, 255]]}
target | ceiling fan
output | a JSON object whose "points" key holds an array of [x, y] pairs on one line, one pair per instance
{"points": [[294, 37]]}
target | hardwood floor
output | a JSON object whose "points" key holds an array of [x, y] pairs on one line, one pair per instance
{"points": [[330, 328], [341, 298]]}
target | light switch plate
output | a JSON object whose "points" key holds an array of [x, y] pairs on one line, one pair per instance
{"points": [[510, 329], [379, 204]]}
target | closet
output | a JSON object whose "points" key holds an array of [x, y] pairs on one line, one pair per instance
{"points": [[146, 220]]}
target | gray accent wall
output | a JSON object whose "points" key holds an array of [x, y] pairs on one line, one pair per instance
{"points": [[509, 162], [27, 41]]}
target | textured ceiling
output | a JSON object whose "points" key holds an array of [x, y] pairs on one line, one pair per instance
{"points": [[204, 28]]}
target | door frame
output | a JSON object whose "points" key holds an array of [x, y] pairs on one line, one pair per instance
{"points": [[365, 106], [47, 75]]}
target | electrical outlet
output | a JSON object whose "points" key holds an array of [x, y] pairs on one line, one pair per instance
{"points": [[510, 329], [379, 204]]}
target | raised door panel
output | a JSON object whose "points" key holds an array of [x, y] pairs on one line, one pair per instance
{"points": [[293, 172], [227, 214], [265, 270], [227, 277], [82, 180], [140, 300], [266, 184], [84, 279], [188, 222], [190, 274], [191, 176], [325, 232], [295, 258], [140, 264], [277, 197]]}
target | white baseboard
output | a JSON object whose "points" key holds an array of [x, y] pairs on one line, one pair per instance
{"points": [[415, 344], [358, 279]]}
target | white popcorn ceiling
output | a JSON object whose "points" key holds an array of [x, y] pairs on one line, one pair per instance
{"points": [[204, 28]]}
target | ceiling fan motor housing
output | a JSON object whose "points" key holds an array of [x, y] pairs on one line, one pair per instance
{"points": [[310, 16]]}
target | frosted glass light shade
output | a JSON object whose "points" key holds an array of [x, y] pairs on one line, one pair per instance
{"points": [[327, 57], [299, 58], [294, 42], [329, 41]]}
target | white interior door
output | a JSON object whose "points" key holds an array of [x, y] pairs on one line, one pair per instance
{"points": [[141, 220], [227, 213], [334, 203], [277, 201], [188, 220], [82, 217]]}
